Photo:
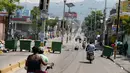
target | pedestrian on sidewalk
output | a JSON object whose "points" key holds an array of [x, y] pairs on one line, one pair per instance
{"points": [[125, 48], [34, 61]]}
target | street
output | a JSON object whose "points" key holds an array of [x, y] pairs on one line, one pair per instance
{"points": [[71, 61], [75, 62]]}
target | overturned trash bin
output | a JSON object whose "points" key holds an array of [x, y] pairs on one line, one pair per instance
{"points": [[25, 44], [56, 46], [108, 51], [11, 44]]}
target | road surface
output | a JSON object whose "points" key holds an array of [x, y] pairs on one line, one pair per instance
{"points": [[71, 61]]}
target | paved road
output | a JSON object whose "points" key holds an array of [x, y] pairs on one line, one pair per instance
{"points": [[75, 62], [71, 61]]}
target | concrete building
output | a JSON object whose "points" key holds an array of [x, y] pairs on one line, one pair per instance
{"points": [[3, 21]]}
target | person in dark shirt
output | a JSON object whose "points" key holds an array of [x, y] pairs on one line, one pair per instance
{"points": [[34, 61]]}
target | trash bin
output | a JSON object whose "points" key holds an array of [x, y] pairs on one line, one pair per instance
{"points": [[56, 46], [44, 43], [25, 44], [108, 51], [37, 43], [11, 44]]}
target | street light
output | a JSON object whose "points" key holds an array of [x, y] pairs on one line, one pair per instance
{"points": [[63, 22], [69, 6]]}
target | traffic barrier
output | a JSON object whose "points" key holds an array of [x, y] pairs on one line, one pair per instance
{"points": [[13, 67]]}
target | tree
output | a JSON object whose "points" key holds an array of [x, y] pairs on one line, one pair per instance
{"points": [[1, 6], [126, 23], [89, 21], [36, 22], [10, 6], [91, 17], [52, 22]]}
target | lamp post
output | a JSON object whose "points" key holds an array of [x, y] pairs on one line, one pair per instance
{"points": [[63, 22], [69, 11]]}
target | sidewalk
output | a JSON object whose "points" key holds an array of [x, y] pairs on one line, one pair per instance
{"points": [[123, 62]]}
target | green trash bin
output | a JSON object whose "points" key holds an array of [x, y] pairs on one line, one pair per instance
{"points": [[108, 51], [37, 43], [56, 46], [44, 43], [25, 44], [11, 44]]}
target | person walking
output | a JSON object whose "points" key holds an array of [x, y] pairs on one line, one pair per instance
{"points": [[125, 48]]}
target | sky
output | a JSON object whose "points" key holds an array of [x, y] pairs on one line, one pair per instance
{"points": [[56, 6], [36, 1]]}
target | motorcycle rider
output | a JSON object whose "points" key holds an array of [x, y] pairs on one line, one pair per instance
{"points": [[90, 50]]}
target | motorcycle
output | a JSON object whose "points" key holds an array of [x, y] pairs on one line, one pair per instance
{"points": [[90, 56], [49, 66]]}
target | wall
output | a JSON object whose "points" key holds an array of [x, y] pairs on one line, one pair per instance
{"points": [[127, 38], [2, 28]]}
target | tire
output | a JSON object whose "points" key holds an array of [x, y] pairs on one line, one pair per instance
{"points": [[90, 61], [101, 55], [108, 57], [20, 50], [29, 50], [53, 51]]}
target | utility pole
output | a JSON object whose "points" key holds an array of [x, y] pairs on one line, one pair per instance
{"points": [[63, 22], [43, 6], [104, 26], [118, 22]]}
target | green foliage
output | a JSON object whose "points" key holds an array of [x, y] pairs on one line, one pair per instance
{"points": [[35, 13], [1, 6], [10, 5], [91, 17], [51, 22]]}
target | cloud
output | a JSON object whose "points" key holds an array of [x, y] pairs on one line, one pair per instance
{"points": [[37, 1]]}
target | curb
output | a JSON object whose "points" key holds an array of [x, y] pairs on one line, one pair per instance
{"points": [[119, 65], [13, 67]]}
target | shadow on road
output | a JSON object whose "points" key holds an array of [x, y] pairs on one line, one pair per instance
{"points": [[85, 62]]}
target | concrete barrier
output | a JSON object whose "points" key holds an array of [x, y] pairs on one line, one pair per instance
{"points": [[13, 67]]}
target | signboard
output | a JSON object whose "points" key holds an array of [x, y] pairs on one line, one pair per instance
{"points": [[125, 6], [114, 27], [71, 14]]}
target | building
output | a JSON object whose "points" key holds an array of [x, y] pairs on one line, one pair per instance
{"points": [[3, 16]]}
